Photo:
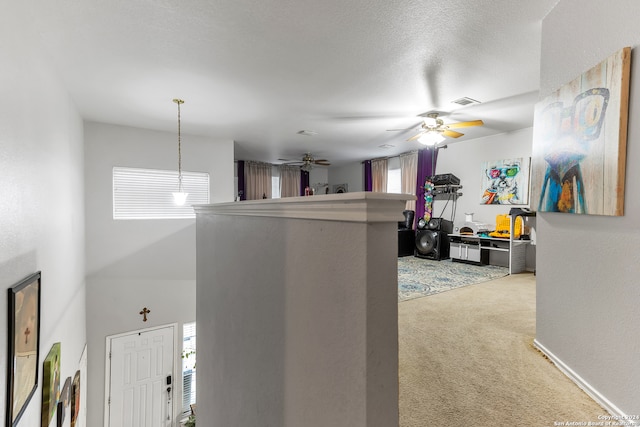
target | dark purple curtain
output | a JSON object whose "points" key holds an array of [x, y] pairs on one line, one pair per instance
{"points": [[426, 167], [368, 180], [242, 193], [304, 181]]}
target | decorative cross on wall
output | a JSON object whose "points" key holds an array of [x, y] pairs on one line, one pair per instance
{"points": [[26, 335], [144, 313]]}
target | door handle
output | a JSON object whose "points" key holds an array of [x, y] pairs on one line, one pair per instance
{"points": [[169, 408]]}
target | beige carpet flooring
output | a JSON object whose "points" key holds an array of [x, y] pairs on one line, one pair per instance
{"points": [[467, 359]]}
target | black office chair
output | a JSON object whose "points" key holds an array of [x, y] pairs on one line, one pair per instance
{"points": [[406, 234]]}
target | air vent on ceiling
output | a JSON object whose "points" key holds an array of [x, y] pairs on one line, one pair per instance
{"points": [[385, 146], [465, 101], [307, 132]]}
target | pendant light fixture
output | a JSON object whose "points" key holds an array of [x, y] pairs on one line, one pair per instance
{"points": [[180, 197]]}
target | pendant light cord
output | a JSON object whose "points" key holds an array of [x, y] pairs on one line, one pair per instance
{"points": [[179, 101]]}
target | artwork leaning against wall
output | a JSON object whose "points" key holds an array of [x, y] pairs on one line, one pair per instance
{"points": [[579, 142]]}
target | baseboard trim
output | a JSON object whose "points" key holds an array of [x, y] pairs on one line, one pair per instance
{"points": [[606, 404]]}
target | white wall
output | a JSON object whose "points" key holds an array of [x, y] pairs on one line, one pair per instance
{"points": [[42, 197], [464, 160], [588, 266], [351, 174], [318, 176], [140, 263], [299, 328]]}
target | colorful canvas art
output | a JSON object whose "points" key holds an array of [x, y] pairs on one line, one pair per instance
{"points": [[505, 182], [579, 142], [50, 384]]}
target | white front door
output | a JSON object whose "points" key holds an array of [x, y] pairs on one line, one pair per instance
{"points": [[141, 379]]}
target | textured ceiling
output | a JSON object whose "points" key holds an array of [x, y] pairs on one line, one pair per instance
{"points": [[258, 71]]}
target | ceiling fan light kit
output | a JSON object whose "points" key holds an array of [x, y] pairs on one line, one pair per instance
{"points": [[431, 138], [434, 130]]}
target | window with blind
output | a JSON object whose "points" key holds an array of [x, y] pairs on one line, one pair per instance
{"points": [[147, 193], [188, 366]]}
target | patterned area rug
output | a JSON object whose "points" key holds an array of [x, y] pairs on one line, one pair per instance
{"points": [[418, 277]]}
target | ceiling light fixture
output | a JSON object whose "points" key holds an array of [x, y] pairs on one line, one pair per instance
{"points": [[180, 197], [431, 138]]}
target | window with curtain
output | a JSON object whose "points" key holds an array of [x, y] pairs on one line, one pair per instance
{"points": [[289, 181], [408, 175], [258, 180], [379, 175]]}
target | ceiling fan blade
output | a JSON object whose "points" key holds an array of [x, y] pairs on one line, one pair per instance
{"points": [[413, 138], [464, 124], [416, 126], [452, 133], [322, 163]]}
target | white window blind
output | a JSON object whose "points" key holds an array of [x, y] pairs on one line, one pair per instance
{"points": [[146, 193], [188, 366]]}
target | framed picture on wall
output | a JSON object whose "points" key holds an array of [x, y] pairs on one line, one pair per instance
{"points": [[505, 182], [23, 346]]}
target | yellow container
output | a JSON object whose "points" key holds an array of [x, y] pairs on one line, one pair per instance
{"points": [[502, 227]]}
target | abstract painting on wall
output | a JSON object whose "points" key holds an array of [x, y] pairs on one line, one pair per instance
{"points": [[580, 140], [505, 182]]}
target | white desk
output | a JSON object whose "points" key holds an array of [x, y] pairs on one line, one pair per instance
{"points": [[476, 250]]}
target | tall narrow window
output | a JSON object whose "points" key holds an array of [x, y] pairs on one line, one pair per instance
{"points": [[188, 366], [146, 193], [394, 175], [275, 182]]}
